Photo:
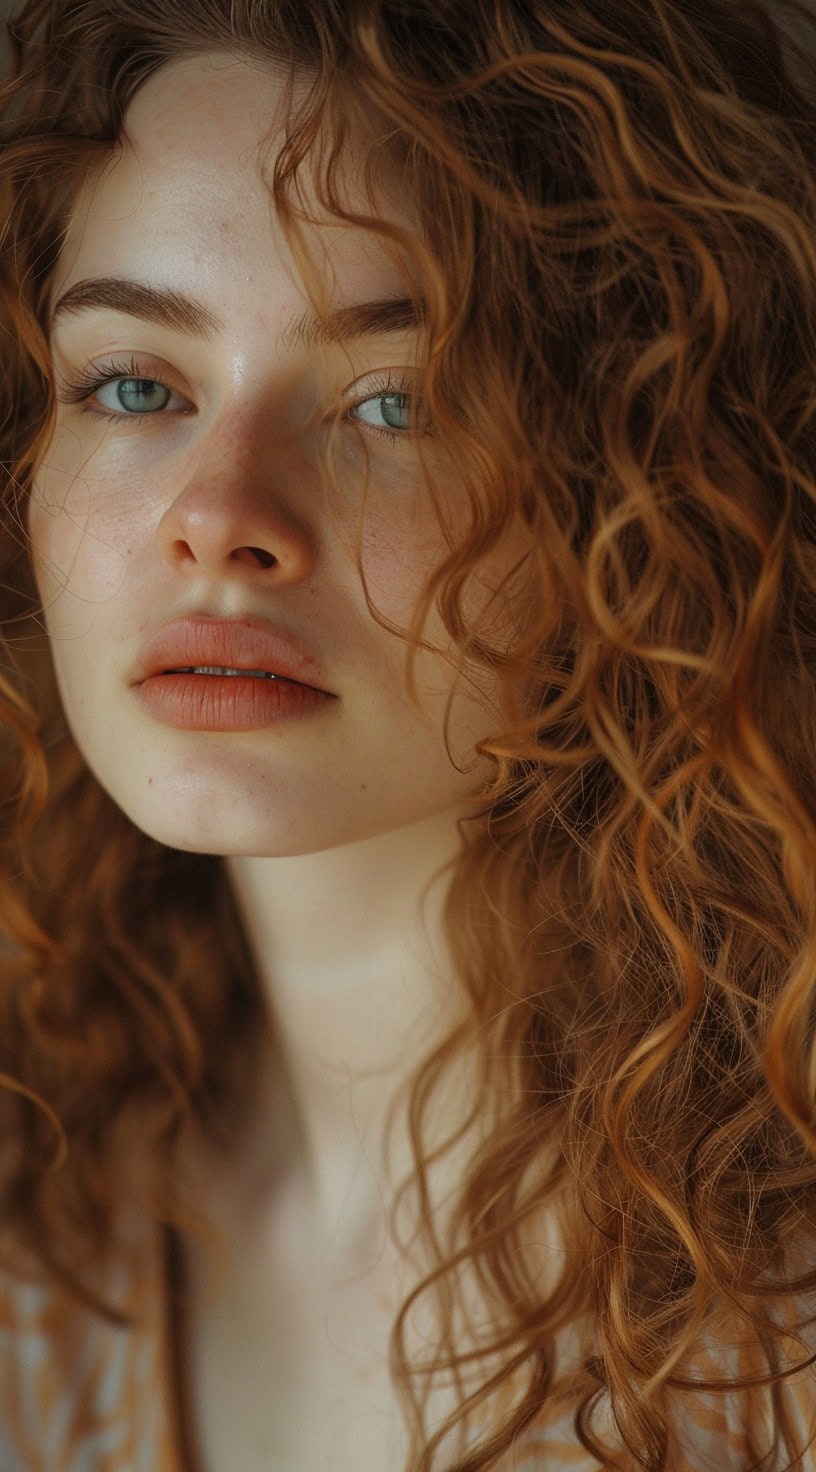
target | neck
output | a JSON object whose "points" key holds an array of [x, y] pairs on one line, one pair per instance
{"points": [[359, 985]]}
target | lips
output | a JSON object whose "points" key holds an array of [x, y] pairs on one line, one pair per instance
{"points": [[242, 644]]}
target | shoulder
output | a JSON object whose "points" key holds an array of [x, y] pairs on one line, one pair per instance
{"points": [[726, 1429], [747, 1419], [76, 1391]]}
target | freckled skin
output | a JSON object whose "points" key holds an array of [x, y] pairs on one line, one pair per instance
{"points": [[330, 827], [134, 523]]}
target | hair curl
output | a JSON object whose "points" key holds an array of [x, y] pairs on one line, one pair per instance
{"points": [[619, 213]]}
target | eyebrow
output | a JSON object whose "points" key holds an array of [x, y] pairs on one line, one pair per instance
{"points": [[183, 313]]}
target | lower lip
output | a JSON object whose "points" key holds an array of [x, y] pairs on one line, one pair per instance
{"points": [[227, 702]]}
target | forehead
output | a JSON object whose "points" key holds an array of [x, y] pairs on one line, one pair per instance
{"points": [[190, 182]]}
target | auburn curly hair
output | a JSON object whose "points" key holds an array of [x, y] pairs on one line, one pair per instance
{"points": [[618, 200]]}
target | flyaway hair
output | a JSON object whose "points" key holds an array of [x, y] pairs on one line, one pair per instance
{"points": [[617, 267]]}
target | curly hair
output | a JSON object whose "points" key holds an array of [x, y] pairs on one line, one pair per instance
{"points": [[618, 210]]}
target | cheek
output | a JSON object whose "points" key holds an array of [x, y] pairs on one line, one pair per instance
{"points": [[404, 543], [500, 587], [397, 522], [398, 554], [74, 549]]}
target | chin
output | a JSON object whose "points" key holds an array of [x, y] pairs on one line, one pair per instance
{"points": [[219, 828]]}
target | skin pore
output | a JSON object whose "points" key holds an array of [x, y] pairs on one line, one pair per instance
{"points": [[330, 827]]}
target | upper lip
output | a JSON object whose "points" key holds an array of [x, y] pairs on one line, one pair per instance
{"points": [[241, 644]]}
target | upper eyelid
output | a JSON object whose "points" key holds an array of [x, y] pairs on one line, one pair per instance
{"points": [[71, 383]]}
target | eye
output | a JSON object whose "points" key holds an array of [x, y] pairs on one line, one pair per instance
{"points": [[131, 394], [393, 410], [134, 395], [121, 390]]}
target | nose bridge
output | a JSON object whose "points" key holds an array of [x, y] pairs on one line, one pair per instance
{"points": [[235, 501]]}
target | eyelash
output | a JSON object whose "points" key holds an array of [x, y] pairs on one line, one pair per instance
{"points": [[86, 382]]}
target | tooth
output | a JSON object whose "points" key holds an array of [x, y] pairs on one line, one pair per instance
{"points": [[213, 669]]}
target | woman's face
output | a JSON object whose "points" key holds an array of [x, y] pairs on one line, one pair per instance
{"points": [[191, 486]]}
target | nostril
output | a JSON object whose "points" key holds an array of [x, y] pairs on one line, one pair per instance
{"points": [[265, 558]]}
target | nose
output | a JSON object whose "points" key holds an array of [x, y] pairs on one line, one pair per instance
{"points": [[231, 513]]}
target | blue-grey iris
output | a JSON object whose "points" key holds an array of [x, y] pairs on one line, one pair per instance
{"points": [[399, 406], [139, 394]]}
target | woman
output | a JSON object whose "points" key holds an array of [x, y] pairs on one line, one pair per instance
{"points": [[408, 602]]}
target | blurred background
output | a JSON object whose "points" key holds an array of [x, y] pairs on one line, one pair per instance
{"points": [[792, 24], [7, 8]]}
